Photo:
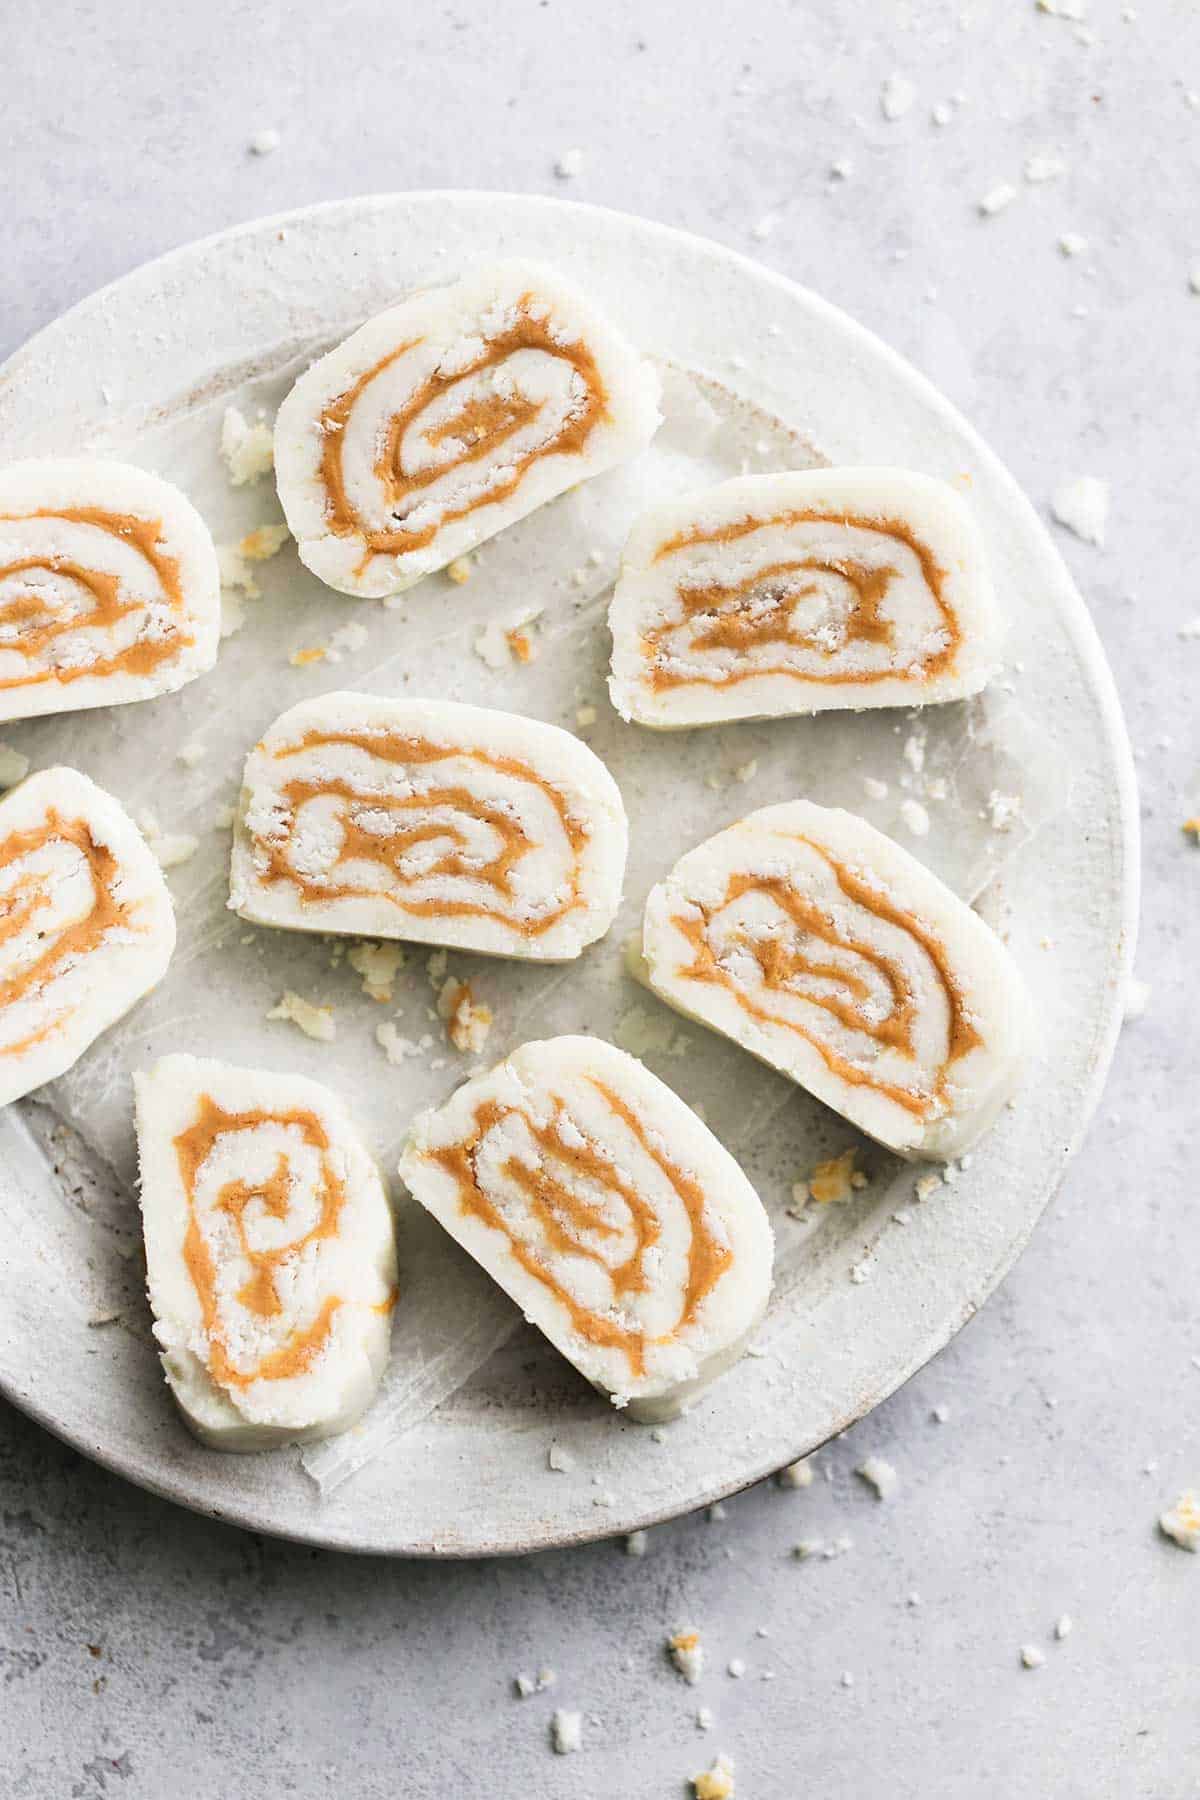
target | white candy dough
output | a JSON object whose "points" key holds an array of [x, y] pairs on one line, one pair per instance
{"points": [[450, 416], [108, 587], [829, 952], [609, 1213], [86, 926], [270, 1252], [800, 592], [429, 820]]}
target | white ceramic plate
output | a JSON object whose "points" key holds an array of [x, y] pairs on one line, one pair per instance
{"points": [[143, 370]]}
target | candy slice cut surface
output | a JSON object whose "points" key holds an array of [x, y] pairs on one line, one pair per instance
{"points": [[450, 416], [86, 924], [109, 589], [432, 821], [270, 1252], [800, 592], [607, 1210], [829, 952]]}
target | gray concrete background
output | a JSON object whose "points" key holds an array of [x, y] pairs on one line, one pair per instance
{"points": [[144, 1651]]}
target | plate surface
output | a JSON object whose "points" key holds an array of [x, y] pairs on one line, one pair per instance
{"points": [[761, 373]]}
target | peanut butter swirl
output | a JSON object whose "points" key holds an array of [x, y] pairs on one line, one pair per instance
{"points": [[53, 633], [795, 964], [276, 1195], [41, 950], [756, 613], [473, 434], [558, 1185], [380, 829]]}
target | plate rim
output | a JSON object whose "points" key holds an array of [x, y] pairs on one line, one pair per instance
{"points": [[248, 1513]]}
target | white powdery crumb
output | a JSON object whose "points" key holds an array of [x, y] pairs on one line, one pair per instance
{"points": [[264, 141], [314, 1021], [915, 817], [1194, 278], [737, 1668], [826, 1549], [237, 576], [860, 1272], [878, 1473], [746, 771], [570, 164], [397, 1048], [14, 766], [169, 848], [927, 1185], [763, 228], [896, 96], [378, 964], [1081, 504], [902, 1216], [605, 1497], [715, 1783], [345, 640], [914, 750], [1074, 10], [704, 1718], [842, 169], [716, 1513], [1181, 1522], [940, 1415], [847, 1678], [1071, 243], [1031, 1656], [943, 112], [503, 642], [468, 1021], [559, 1459], [1137, 998], [459, 571], [248, 451], [797, 1474], [1191, 629], [637, 1543], [566, 1732], [1003, 810], [1043, 166], [997, 198], [1064, 1625], [874, 789], [687, 1653], [191, 753]]}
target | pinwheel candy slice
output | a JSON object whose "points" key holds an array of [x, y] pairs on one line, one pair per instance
{"points": [[108, 587], [450, 416], [829, 952], [86, 925], [270, 1252], [609, 1213], [799, 592], [429, 820]]}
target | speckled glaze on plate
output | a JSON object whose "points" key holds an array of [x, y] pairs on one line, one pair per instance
{"points": [[143, 370]]}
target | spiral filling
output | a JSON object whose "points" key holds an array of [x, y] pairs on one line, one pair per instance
{"points": [[263, 1191], [822, 596], [426, 436], [85, 592], [837, 963], [434, 830], [583, 1219], [59, 902]]}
